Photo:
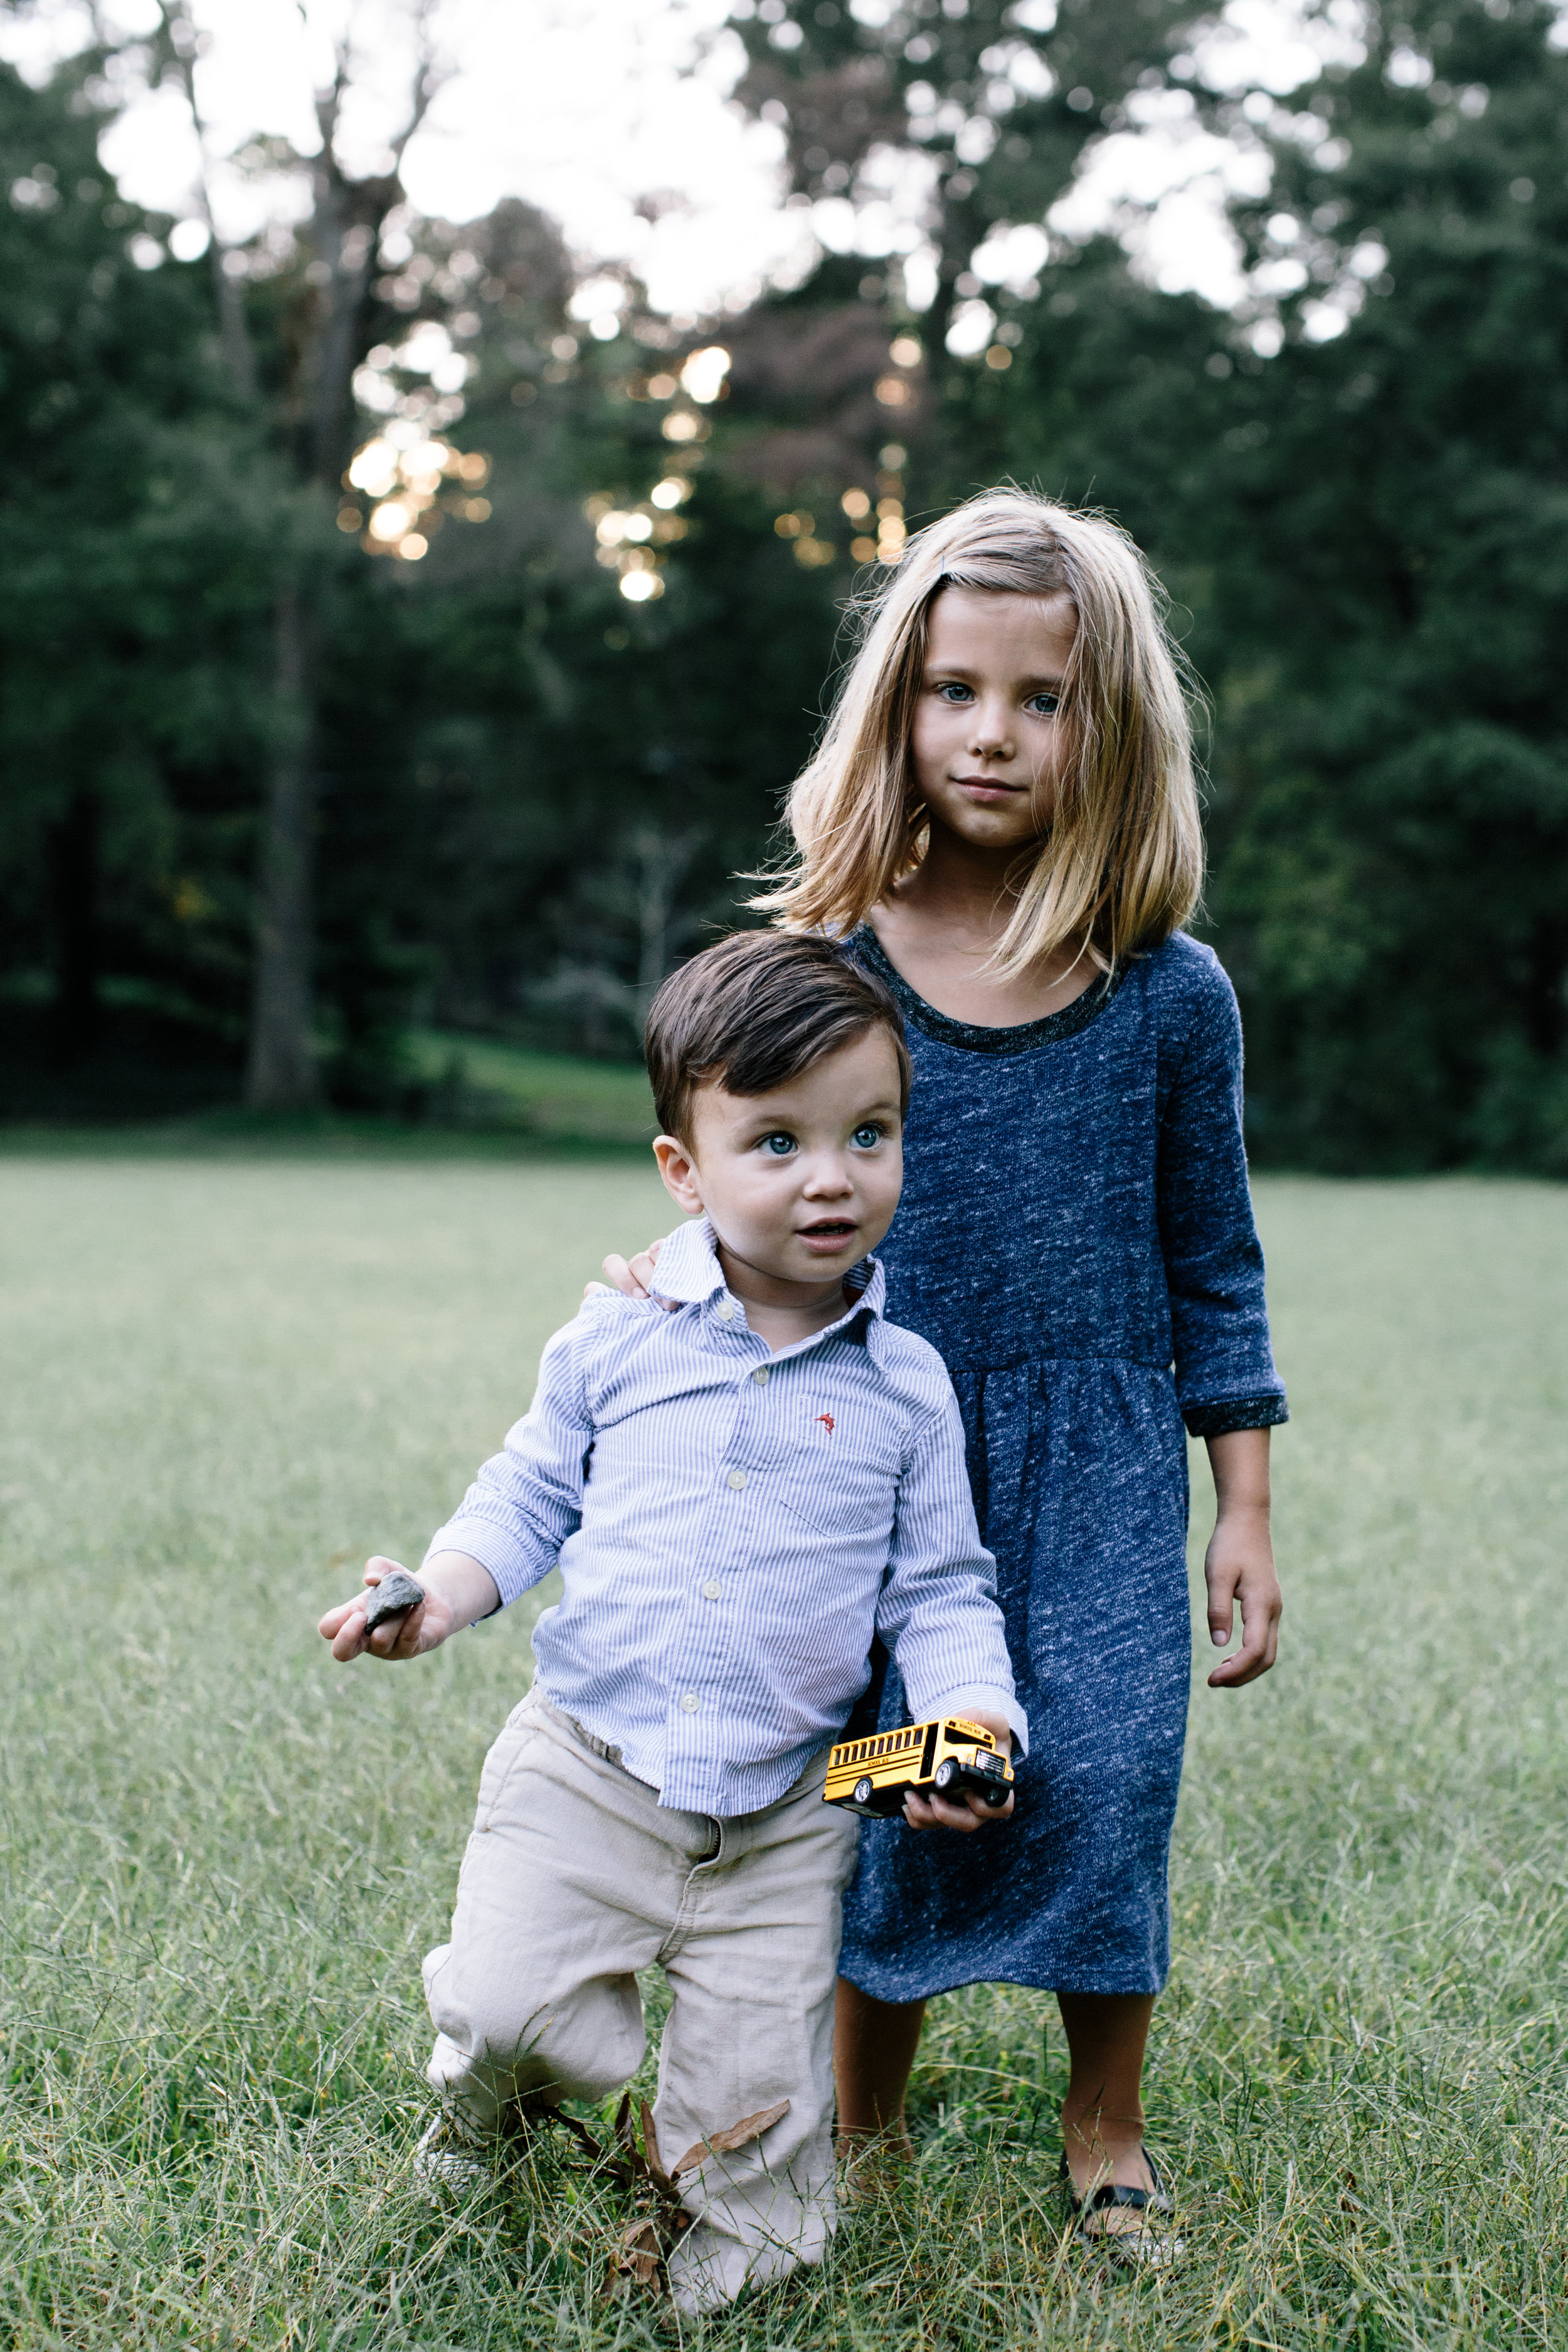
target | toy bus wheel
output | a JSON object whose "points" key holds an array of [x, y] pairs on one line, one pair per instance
{"points": [[943, 1775], [864, 1792]]}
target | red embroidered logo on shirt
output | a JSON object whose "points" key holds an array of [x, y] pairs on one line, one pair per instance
{"points": [[827, 1420]]}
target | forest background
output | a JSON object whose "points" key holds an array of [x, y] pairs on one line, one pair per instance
{"points": [[407, 634]]}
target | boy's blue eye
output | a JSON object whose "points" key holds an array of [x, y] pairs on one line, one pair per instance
{"points": [[867, 1138], [779, 1145]]}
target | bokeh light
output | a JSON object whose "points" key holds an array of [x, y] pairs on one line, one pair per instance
{"points": [[628, 537], [703, 375], [404, 472]]}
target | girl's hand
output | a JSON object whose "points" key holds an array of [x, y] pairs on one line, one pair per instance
{"points": [[1239, 1563], [1239, 1567], [452, 1600], [968, 1812], [633, 1279]]}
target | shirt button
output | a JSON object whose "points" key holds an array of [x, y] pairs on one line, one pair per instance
{"points": [[688, 1702], [726, 1313], [737, 1479], [761, 1376], [712, 1588]]}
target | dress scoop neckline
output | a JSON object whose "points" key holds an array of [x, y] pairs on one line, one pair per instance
{"points": [[978, 1038]]}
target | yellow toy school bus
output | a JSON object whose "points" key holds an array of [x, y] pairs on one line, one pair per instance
{"points": [[874, 1775]]}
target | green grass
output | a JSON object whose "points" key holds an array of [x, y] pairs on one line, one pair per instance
{"points": [[552, 1096], [227, 1379], [482, 1098]]}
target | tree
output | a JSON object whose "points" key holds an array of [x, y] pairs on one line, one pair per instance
{"points": [[127, 608], [322, 318], [992, 102], [1354, 485], [1389, 602]]}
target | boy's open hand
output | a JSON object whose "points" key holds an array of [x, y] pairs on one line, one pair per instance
{"points": [[967, 1813], [425, 1627]]}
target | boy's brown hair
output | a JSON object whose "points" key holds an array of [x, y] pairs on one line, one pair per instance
{"points": [[756, 1011]]}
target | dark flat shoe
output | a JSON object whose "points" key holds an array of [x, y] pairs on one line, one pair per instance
{"points": [[1141, 2249]]}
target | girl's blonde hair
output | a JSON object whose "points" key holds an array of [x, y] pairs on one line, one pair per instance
{"points": [[1121, 865]]}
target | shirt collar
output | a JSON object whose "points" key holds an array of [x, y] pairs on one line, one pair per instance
{"points": [[689, 1272]]}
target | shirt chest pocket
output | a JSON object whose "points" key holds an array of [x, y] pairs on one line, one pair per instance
{"points": [[841, 1489]]}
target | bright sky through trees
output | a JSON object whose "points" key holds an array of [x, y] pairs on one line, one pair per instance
{"points": [[590, 109], [582, 106]]}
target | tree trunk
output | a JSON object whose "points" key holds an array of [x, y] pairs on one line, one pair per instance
{"points": [[73, 860], [281, 1074], [664, 860]]}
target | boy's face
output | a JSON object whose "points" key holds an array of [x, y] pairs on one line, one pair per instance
{"points": [[801, 1181]]}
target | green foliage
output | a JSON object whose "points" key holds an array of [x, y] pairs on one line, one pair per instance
{"points": [[1363, 535], [223, 1856], [1392, 811], [133, 515], [534, 794], [999, 100]]}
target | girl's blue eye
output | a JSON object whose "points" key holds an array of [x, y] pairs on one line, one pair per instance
{"points": [[867, 1138], [1044, 706], [778, 1146], [953, 691]]}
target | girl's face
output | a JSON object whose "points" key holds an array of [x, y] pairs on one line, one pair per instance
{"points": [[988, 746]]}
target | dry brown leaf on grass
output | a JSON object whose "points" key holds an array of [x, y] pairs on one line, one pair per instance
{"points": [[639, 2253], [650, 2149], [638, 2257], [724, 2143]]}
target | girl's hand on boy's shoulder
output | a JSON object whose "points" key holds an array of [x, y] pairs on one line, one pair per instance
{"points": [[631, 1278], [966, 1813], [426, 1627]]}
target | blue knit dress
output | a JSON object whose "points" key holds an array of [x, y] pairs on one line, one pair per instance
{"points": [[1076, 1238]]}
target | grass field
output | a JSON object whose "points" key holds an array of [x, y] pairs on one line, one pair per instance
{"points": [[225, 1381], [554, 1098]]}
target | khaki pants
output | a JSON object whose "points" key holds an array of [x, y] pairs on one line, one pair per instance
{"points": [[575, 1877]]}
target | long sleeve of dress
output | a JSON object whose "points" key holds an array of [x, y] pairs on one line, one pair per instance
{"points": [[1225, 1377]]}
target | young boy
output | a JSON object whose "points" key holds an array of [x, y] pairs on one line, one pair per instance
{"points": [[740, 1493]]}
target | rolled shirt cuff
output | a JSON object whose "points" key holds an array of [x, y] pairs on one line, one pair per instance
{"points": [[1218, 1418], [513, 1569], [990, 1701]]}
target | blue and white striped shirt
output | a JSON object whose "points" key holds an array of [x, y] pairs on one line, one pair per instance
{"points": [[732, 1527]]}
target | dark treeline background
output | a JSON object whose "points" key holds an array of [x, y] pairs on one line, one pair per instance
{"points": [[277, 804]]}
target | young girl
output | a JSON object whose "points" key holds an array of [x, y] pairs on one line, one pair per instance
{"points": [[1001, 821]]}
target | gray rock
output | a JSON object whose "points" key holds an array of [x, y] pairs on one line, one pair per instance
{"points": [[395, 1596]]}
